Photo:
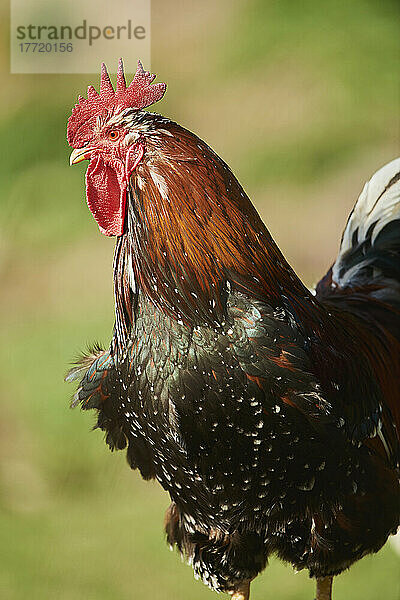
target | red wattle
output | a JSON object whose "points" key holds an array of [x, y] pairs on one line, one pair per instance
{"points": [[106, 196]]}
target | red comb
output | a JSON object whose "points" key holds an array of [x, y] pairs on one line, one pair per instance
{"points": [[139, 94]]}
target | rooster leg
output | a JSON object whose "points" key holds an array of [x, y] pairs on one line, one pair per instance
{"points": [[241, 592], [324, 588]]}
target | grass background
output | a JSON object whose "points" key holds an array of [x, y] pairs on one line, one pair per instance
{"points": [[302, 100]]}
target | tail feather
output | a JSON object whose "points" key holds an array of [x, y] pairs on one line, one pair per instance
{"points": [[370, 248], [365, 282]]}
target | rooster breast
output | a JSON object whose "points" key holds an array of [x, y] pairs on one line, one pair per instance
{"points": [[213, 416]]}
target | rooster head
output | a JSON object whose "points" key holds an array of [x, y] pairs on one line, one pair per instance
{"points": [[100, 130]]}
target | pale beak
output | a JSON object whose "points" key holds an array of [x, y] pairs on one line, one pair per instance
{"points": [[79, 154]]}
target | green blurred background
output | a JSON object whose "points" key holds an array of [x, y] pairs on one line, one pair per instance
{"points": [[302, 100]]}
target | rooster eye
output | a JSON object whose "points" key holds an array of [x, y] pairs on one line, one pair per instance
{"points": [[113, 134]]}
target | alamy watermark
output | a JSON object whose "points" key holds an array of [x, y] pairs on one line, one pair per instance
{"points": [[58, 37]]}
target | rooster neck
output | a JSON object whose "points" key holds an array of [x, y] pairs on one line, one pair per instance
{"points": [[192, 235]]}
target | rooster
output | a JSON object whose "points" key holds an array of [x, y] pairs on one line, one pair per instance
{"points": [[268, 412]]}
